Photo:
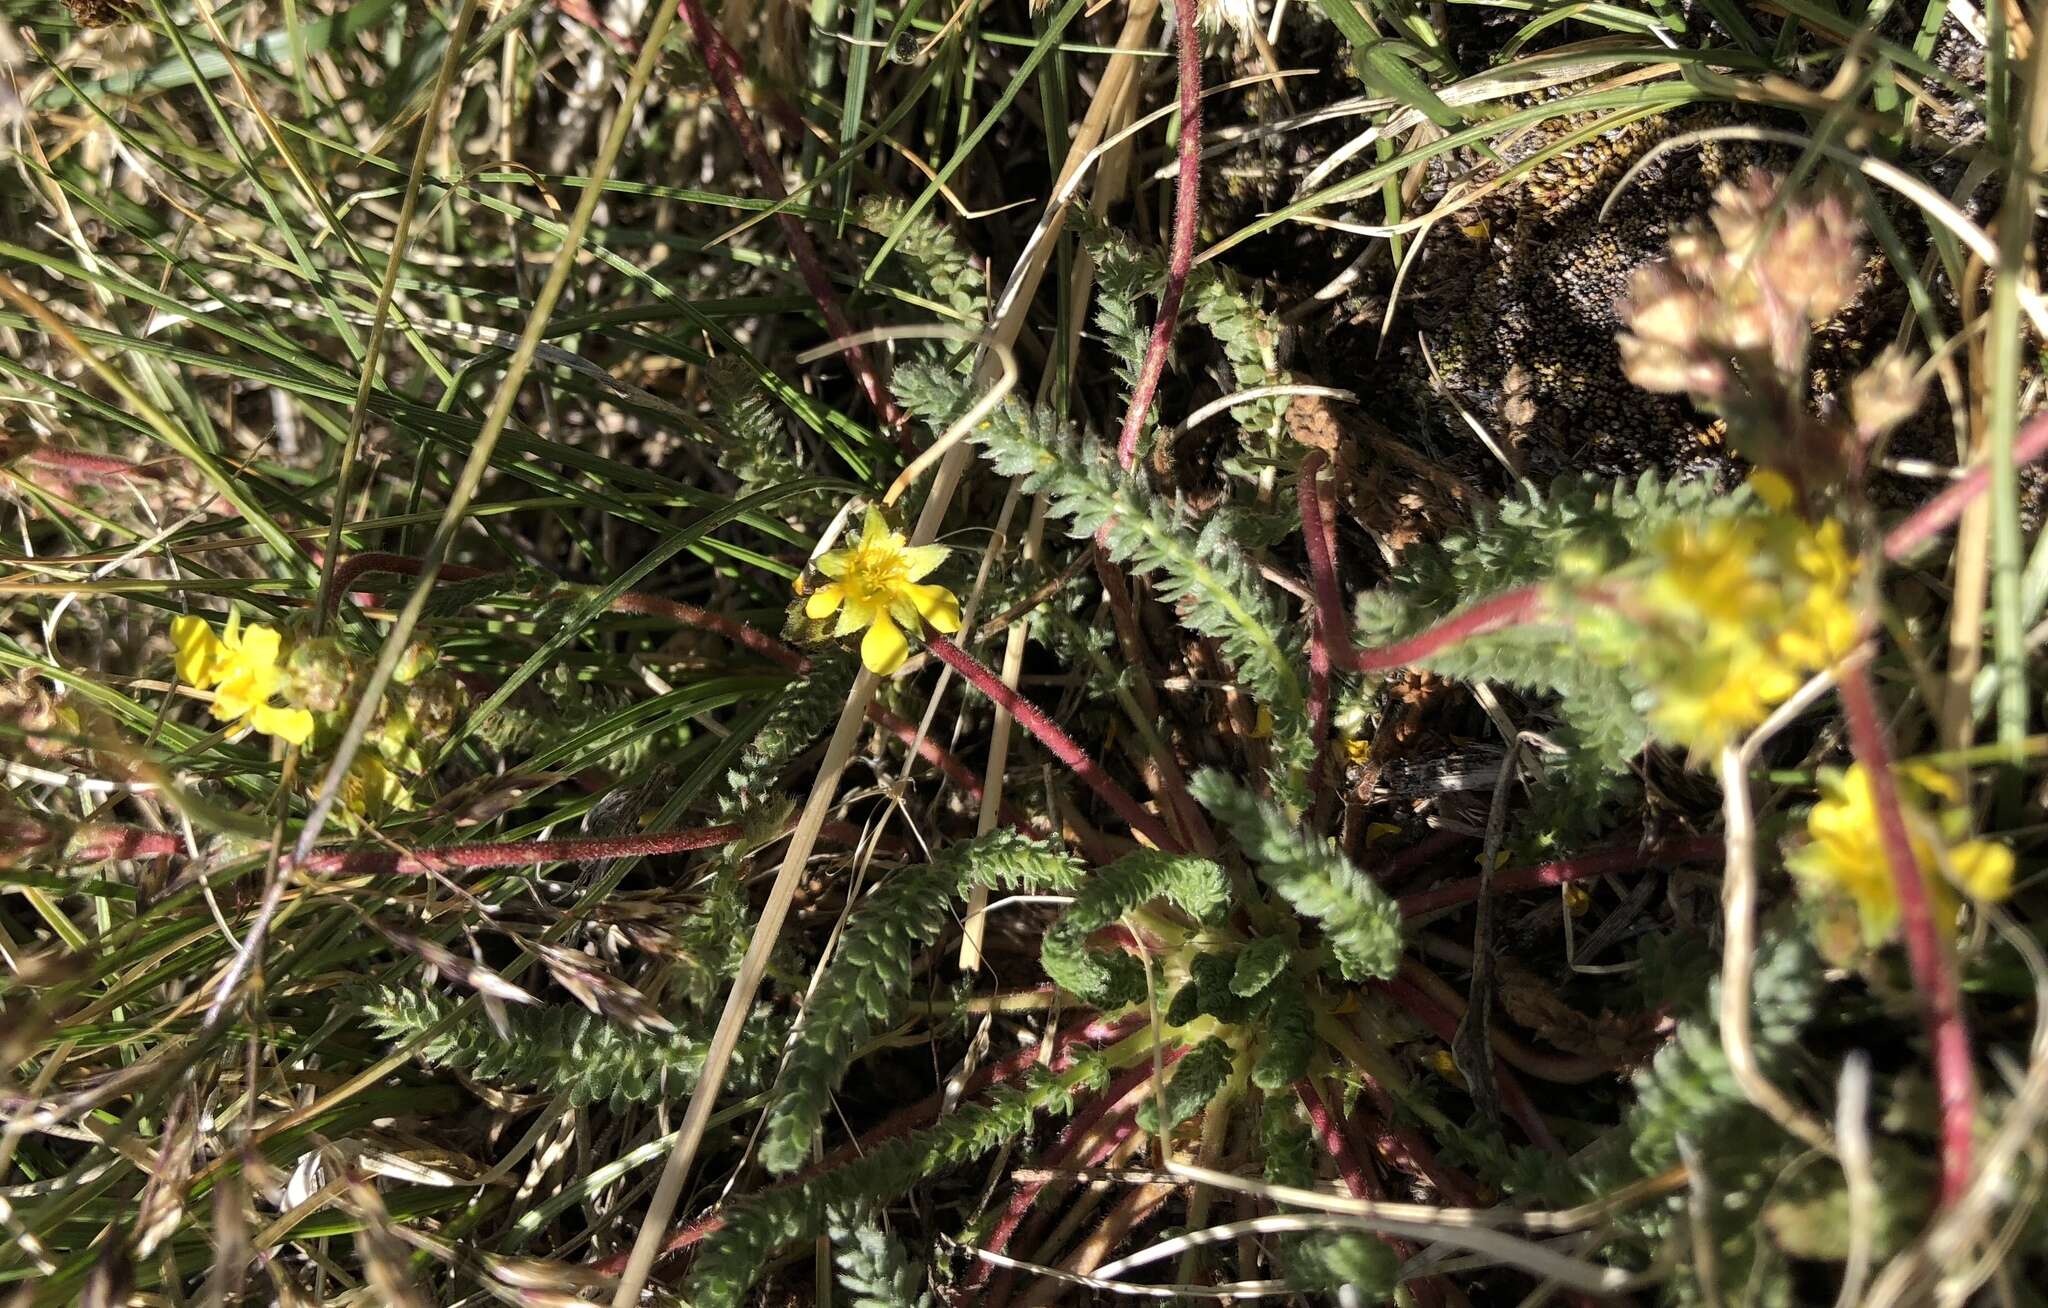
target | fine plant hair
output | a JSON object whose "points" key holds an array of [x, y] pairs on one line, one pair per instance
{"points": [[1577, 529], [1196, 1079], [802, 714], [490, 817], [754, 443], [873, 1269], [1691, 1110], [1318, 1262]]}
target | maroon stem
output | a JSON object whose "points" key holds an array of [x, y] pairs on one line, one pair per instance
{"points": [[470, 858], [1927, 949], [932, 752], [751, 638], [1582, 868], [1561, 1069], [349, 570], [1437, 843], [100, 842], [1507, 609], [1048, 733], [76, 465], [1404, 1147], [1180, 261], [1939, 513], [1062, 1154], [1331, 647], [689, 615], [726, 68], [1361, 1183]]}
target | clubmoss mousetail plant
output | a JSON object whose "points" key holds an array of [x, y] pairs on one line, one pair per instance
{"points": [[615, 784]]}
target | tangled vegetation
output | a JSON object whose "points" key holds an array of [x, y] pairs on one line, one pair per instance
{"points": [[1019, 654]]}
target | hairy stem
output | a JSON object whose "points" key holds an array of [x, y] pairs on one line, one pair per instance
{"points": [[76, 465], [1508, 609], [1358, 1182], [1941, 512], [1048, 733], [1443, 1023], [1079, 1144], [1927, 949], [1331, 646], [1180, 261], [753, 639], [1089, 1034], [1564, 871], [726, 68]]}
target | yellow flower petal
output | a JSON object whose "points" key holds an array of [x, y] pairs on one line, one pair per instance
{"points": [[833, 564], [918, 562], [196, 648], [856, 613], [294, 726], [260, 646], [875, 587], [824, 601], [884, 648], [1982, 869], [937, 606]]}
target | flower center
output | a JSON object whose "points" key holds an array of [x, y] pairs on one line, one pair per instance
{"points": [[873, 573]]}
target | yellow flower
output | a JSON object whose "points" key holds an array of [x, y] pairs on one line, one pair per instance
{"points": [[242, 668], [1845, 850], [1736, 613], [874, 585]]}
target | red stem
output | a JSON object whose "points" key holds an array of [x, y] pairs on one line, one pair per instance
{"points": [[1331, 647], [1404, 1147], [1507, 609], [739, 633], [1062, 1154], [1361, 1183], [1048, 733], [1584, 867], [726, 68], [689, 615], [636, 602], [100, 842], [471, 858], [1437, 843], [1939, 513], [76, 465], [1187, 195], [1927, 950]]}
